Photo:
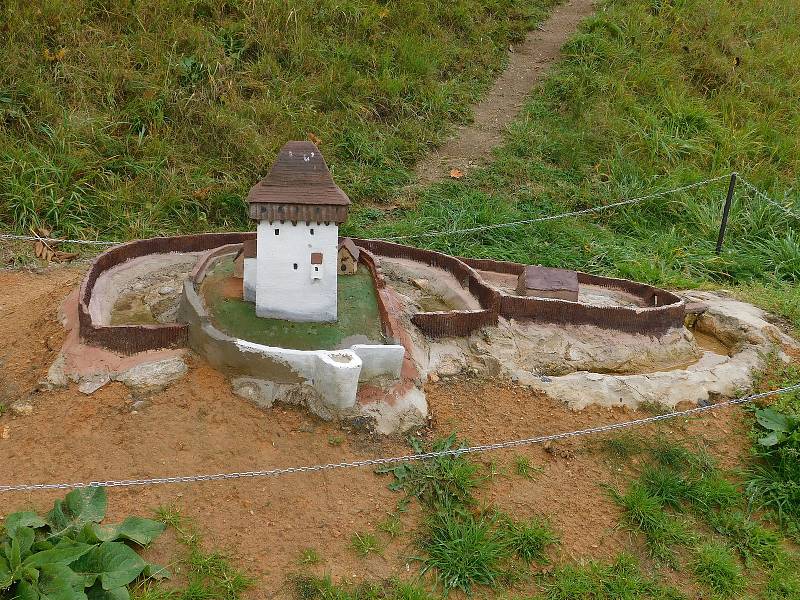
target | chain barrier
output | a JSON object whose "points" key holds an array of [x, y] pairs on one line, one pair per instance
{"points": [[374, 462], [767, 199], [573, 213]]}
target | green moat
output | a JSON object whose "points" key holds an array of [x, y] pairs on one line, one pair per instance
{"points": [[359, 318]]}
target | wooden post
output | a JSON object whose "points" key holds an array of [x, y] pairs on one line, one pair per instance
{"points": [[725, 211]]}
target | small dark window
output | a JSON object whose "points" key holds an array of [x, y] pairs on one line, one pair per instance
{"points": [[344, 267], [312, 231], [295, 266], [316, 268], [277, 232]]}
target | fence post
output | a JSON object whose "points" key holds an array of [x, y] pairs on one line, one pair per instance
{"points": [[725, 211]]}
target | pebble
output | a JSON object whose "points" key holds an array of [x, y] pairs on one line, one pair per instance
{"points": [[166, 290], [5, 433], [433, 377]]}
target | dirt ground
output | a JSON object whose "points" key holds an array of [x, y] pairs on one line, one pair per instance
{"points": [[199, 426], [472, 145]]}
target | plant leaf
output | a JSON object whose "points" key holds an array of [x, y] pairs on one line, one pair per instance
{"points": [[96, 592], [114, 563], [5, 574], [153, 571], [63, 553], [24, 537], [771, 419], [59, 582], [81, 506], [771, 439], [134, 529], [23, 519]]}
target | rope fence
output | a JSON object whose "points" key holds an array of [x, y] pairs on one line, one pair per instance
{"points": [[575, 213], [374, 462]]}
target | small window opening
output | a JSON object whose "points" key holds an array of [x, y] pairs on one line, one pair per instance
{"points": [[277, 232], [312, 231], [295, 266], [316, 268], [344, 267]]}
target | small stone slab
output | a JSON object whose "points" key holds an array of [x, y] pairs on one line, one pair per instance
{"points": [[545, 282], [696, 308]]}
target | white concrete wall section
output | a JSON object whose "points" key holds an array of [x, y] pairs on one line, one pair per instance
{"points": [[332, 373], [286, 287], [380, 360], [250, 279]]}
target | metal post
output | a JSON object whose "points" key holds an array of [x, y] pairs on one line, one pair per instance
{"points": [[725, 211]]}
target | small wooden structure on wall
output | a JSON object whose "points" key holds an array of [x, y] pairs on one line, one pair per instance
{"points": [[348, 257]]}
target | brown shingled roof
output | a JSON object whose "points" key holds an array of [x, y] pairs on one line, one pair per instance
{"points": [[354, 250], [298, 176]]}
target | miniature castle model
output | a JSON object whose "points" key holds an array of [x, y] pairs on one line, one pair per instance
{"points": [[293, 274]]}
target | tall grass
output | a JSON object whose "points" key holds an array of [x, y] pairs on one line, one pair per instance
{"points": [[649, 96], [127, 119]]}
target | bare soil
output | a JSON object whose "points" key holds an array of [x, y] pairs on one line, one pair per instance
{"points": [[199, 426], [472, 145]]}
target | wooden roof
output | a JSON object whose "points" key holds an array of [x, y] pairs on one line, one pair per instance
{"points": [[299, 187], [351, 247]]}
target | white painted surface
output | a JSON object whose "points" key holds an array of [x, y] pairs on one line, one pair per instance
{"points": [[332, 373], [294, 294], [250, 279], [384, 361]]}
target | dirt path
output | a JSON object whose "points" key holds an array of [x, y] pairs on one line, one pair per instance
{"points": [[472, 144]]}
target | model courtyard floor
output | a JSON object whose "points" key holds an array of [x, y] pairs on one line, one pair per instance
{"points": [[359, 319]]}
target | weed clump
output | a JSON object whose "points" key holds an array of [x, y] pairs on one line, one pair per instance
{"points": [[715, 566]]}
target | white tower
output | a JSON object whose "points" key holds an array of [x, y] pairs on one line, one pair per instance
{"points": [[298, 208]]}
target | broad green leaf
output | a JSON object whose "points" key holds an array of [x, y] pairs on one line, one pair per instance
{"points": [[114, 563], [771, 419], [81, 506], [27, 591], [24, 537], [771, 439], [59, 582], [5, 574], [96, 592], [22, 519], [63, 553], [153, 571], [134, 529]]}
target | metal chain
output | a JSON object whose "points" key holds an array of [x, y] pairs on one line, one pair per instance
{"points": [[372, 462], [573, 213], [31, 238], [769, 200]]}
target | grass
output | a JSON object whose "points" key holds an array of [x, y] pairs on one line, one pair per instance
{"points": [[715, 566], [648, 97], [524, 468], [773, 480], [129, 120], [310, 587], [209, 574], [358, 315], [391, 525], [622, 578], [309, 556], [364, 544]]}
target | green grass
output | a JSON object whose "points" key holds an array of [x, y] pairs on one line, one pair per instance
{"points": [[358, 315], [524, 468], [622, 578], [442, 481], [309, 587], [365, 543], [648, 97], [309, 556], [160, 115], [209, 573], [715, 566]]}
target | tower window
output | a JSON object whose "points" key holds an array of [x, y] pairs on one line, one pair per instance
{"points": [[295, 266], [277, 232], [312, 231]]}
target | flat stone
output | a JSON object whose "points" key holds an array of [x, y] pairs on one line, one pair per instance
{"points": [[154, 376], [420, 284], [166, 290], [21, 408], [89, 385]]}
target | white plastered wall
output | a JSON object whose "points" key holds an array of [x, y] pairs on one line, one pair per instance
{"points": [[286, 292]]}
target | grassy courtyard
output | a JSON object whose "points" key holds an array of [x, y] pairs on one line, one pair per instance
{"points": [[359, 319]]}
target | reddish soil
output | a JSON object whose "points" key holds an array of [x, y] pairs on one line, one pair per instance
{"points": [[199, 426]]}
